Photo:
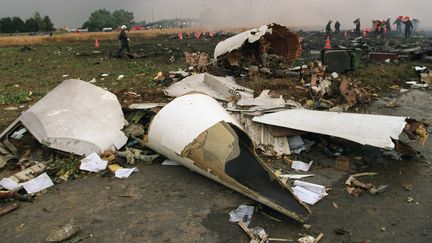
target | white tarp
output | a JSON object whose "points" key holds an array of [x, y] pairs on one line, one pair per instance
{"points": [[76, 117], [374, 130], [220, 88]]}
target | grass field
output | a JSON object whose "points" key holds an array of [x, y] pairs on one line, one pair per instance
{"points": [[20, 40]]}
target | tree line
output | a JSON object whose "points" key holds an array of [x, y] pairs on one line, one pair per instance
{"points": [[36, 23], [103, 18]]}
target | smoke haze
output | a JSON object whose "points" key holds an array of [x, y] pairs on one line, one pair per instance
{"points": [[246, 13]]}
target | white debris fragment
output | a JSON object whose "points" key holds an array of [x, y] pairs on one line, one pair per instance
{"points": [[295, 176], [299, 165], [9, 184], [38, 184], [220, 88], [420, 69], [169, 162], [65, 75], [124, 172], [121, 76], [93, 163], [19, 134], [92, 81], [335, 75], [242, 213], [309, 193]]}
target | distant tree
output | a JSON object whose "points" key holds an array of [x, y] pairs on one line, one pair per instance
{"points": [[39, 20], [31, 25], [49, 26], [99, 19], [6, 25], [18, 24], [122, 17]]}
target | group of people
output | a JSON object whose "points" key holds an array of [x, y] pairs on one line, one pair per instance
{"points": [[337, 26], [379, 26]]}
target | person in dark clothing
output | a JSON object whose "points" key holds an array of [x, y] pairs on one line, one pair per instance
{"points": [[328, 28], [124, 40], [408, 27], [398, 23], [337, 27], [357, 27]]}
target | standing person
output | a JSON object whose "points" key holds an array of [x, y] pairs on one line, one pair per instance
{"points": [[408, 27], [388, 25], [415, 23], [337, 27], [328, 28], [124, 40], [357, 27], [398, 23]]}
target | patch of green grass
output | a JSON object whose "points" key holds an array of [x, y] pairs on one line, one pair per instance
{"points": [[384, 75], [15, 97]]}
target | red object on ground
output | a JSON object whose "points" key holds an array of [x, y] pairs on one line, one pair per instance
{"points": [[327, 43], [180, 36], [96, 45]]}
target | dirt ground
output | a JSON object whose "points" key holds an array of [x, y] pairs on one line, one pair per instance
{"points": [[172, 204]]}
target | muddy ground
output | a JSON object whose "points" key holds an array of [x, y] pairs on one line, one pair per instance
{"points": [[172, 204]]}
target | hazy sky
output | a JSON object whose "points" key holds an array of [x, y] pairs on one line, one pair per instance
{"points": [[73, 13]]}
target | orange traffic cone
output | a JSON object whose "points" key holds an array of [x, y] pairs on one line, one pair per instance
{"points": [[327, 43], [96, 45]]}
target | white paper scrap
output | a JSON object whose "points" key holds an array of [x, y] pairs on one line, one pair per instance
{"points": [[9, 184], [311, 187], [309, 193], [299, 165], [295, 176], [124, 172], [169, 162], [93, 163], [39, 183]]}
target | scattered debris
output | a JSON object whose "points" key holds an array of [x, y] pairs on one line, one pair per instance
{"points": [[133, 154], [198, 60], [217, 87], [258, 46], [65, 232], [9, 208], [311, 239], [374, 130], [243, 213], [356, 187]]}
